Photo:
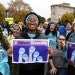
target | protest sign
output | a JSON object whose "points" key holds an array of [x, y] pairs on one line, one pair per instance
{"points": [[71, 51], [30, 50], [10, 20]]}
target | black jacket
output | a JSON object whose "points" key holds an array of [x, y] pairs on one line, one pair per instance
{"points": [[32, 66]]}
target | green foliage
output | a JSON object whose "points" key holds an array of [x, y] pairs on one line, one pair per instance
{"points": [[67, 17], [18, 9], [2, 12], [74, 14], [49, 19], [42, 19]]}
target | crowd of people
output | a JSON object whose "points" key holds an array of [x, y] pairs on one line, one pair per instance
{"points": [[58, 36]]}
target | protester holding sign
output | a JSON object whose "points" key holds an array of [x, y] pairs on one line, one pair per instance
{"points": [[71, 66], [31, 32]]}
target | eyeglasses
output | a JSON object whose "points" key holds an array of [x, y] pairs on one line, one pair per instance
{"points": [[62, 39]]}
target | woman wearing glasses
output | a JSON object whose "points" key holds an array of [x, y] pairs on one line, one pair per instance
{"points": [[59, 61]]}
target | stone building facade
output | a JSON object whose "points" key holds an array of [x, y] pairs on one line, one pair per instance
{"points": [[58, 10]]}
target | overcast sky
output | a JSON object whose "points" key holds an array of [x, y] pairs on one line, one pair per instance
{"points": [[42, 7]]}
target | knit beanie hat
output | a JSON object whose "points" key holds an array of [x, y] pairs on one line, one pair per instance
{"points": [[31, 14]]}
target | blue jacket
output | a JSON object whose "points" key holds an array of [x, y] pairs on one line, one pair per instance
{"points": [[62, 30]]}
